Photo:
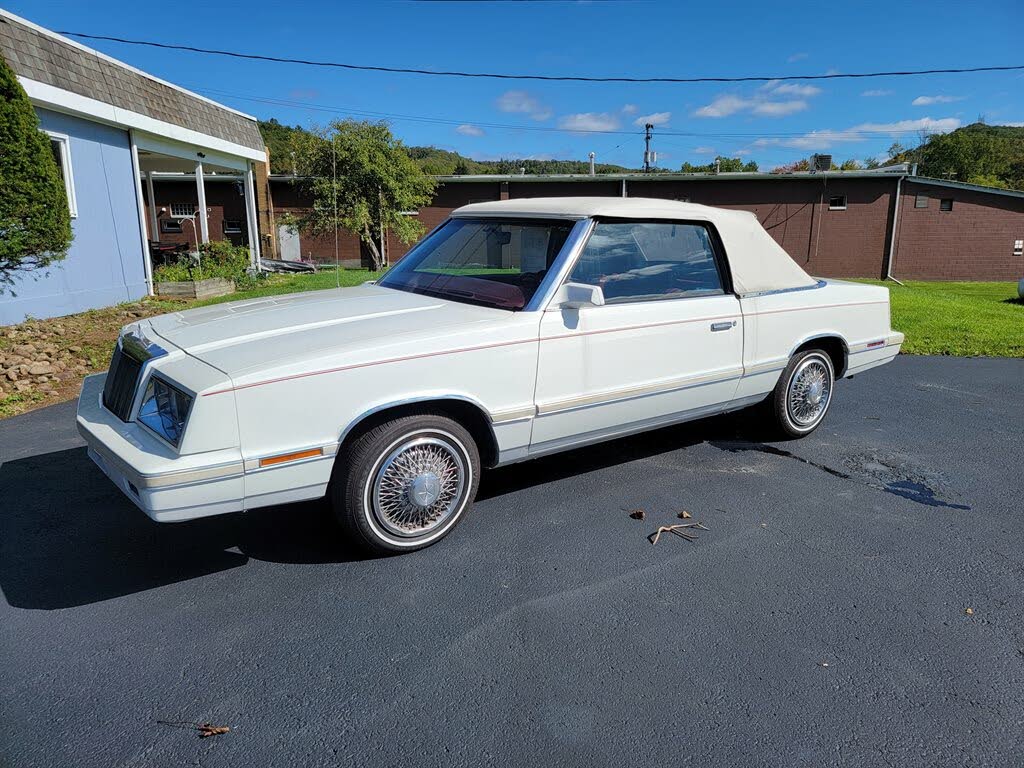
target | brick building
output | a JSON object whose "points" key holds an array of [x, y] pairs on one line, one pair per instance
{"points": [[835, 224]]}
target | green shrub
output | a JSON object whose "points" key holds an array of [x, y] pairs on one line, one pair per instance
{"points": [[35, 224], [218, 258]]}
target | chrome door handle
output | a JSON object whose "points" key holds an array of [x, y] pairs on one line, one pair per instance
{"points": [[726, 326]]}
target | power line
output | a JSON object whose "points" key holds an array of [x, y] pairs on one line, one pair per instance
{"points": [[555, 78], [336, 109]]}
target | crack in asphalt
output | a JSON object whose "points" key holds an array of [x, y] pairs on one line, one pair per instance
{"points": [[912, 490]]}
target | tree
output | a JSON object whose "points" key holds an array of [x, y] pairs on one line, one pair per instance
{"points": [[376, 181], [35, 224], [851, 165], [725, 165], [799, 165]]}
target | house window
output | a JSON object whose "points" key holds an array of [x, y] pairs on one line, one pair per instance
{"points": [[921, 201], [183, 210], [170, 226], [232, 226], [60, 145], [946, 204], [837, 203], [1018, 247]]}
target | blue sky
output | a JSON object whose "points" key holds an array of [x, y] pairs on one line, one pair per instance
{"points": [[488, 119]]}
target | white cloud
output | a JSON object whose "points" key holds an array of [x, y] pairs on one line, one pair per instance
{"points": [[797, 57], [779, 108], [469, 130], [523, 102], [790, 89], [629, 109], [927, 101], [656, 118], [1013, 125], [826, 138], [704, 151], [762, 103], [589, 121], [877, 92], [722, 106]]}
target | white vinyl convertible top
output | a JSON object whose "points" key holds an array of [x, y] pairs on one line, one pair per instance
{"points": [[757, 262]]}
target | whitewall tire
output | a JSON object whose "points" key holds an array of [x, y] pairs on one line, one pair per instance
{"points": [[406, 483]]}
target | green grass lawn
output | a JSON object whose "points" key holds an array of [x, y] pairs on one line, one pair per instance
{"points": [[958, 318]]}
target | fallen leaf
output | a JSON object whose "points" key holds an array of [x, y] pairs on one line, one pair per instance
{"points": [[969, 611], [206, 730], [637, 514], [684, 515]]}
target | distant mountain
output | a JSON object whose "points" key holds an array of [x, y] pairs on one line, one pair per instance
{"points": [[990, 155], [437, 162]]}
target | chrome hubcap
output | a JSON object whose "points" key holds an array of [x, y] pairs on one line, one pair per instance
{"points": [[809, 392], [425, 489], [418, 486]]}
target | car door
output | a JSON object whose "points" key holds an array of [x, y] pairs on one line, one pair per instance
{"points": [[666, 344]]}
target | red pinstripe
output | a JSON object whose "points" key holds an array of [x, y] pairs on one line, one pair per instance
{"points": [[479, 347]]}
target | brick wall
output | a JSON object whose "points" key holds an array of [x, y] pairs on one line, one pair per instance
{"points": [[974, 241], [224, 200], [288, 200]]}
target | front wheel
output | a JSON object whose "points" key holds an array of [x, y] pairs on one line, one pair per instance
{"points": [[804, 393], [406, 483]]}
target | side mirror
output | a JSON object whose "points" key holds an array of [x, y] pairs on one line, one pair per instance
{"points": [[579, 295]]}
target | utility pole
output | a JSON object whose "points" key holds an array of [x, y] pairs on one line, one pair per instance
{"points": [[647, 147]]}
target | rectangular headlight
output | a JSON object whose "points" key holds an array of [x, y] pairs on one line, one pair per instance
{"points": [[165, 409]]}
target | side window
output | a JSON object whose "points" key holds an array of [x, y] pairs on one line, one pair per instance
{"points": [[60, 146], [637, 261]]}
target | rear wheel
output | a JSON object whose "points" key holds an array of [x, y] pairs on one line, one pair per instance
{"points": [[803, 393], [406, 483]]}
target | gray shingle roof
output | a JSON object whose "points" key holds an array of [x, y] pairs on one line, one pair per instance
{"points": [[62, 64]]}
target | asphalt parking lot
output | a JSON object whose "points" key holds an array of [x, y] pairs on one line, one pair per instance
{"points": [[823, 619]]}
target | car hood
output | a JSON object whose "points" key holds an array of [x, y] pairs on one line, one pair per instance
{"points": [[242, 336]]}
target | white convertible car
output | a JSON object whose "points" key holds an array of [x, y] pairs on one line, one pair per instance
{"points": [[515, 329]]}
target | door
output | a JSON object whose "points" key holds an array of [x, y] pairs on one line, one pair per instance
{"points": [[667, 343], [289, 243]]}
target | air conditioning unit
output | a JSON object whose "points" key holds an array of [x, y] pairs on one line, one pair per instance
{"points": [[821, 162]]}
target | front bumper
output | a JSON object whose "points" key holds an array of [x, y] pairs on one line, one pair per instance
{"points": [[166, 486]]}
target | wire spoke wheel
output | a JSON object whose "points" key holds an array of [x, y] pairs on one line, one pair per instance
{"points": [[810, 388], [419, 485]]}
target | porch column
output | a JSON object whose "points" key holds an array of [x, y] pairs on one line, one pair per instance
{"points": [[251, 218], [204, 225], [147, 263], [153, 233]]}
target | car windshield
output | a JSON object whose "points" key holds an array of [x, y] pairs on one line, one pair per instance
{"points": [[491, 262]]}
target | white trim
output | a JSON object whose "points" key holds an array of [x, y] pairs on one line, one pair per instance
{"points": [[67, 41], [66, 169], [147, 264], [50, 97], [837, 207], [252, 219], [186, 151], [202, 212]]}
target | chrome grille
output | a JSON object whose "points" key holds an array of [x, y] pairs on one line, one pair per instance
{"points": [[122, 381]]}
